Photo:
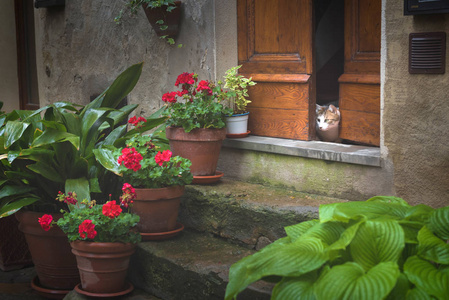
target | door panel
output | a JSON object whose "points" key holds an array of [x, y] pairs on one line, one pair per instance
{"points": [[359, 98], [275, 48]]}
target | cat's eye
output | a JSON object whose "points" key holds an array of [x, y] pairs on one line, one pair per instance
{"points": [[326, 120]]}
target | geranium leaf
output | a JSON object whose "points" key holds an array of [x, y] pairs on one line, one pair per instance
{"points": [[349, 281], [427, 277]]}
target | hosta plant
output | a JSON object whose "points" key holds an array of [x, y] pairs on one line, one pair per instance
{"points": [[52, 149], [382, 248]]}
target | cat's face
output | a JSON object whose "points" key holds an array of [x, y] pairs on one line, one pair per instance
{"points": [[326, 116]]}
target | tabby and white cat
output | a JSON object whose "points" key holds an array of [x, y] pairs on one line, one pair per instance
{"points": [[327, 121]]}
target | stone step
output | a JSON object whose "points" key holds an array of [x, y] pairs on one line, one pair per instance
{"points": [[249, 213], [191, 265]]}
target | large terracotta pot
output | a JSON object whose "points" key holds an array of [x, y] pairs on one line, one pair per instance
{"points": [[103, 266], [201, 146], [50, 251], [157, 208], [171, 19]]}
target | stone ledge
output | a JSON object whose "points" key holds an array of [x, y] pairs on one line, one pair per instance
{"points": [[353, 154]]}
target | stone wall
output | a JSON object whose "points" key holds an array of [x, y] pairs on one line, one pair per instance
{"points": [[415, 109], [80, 50]]}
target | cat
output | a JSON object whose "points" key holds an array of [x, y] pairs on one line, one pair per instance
{"points": [[327, 122]]}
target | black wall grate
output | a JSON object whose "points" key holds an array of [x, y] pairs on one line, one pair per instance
{"points": [[427, 53]]}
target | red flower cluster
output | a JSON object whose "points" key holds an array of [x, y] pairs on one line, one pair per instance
{"points": [[45, 222], [69, 199], [169, 97], [87, 227], [111, 210], [185, 78], [160, 158], [135, 121], [204, 85], [129, 193], [130, 159]]}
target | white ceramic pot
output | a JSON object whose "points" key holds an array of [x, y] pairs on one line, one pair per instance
{"points": [[237, 124]]}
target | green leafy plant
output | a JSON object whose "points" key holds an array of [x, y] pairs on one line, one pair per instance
{"points": [[237, 86], [87, 221], [52, 149], [381, 248], [133, 5], [144, 162], [200, 105]]}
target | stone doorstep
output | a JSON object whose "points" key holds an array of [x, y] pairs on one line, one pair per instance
{"points": [[247, 213], [191, 265]]}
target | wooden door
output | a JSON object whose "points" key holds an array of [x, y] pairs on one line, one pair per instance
{"points": [[275, 49], [360, 84]]}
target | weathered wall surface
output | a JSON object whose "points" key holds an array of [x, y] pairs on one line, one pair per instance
{"points": [[415, 118], [9, 85], [81, 50]]}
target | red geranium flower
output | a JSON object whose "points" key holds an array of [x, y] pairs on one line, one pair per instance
{"points": [[130, 159], [136, 121], [45, 222], [87, 227], [160, 158], [204, 86], [169, 97], [185, 78], [111, 210]]}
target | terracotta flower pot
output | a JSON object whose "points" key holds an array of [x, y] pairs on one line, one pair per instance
{"points": [[201, 146], [102, 266], [171, 19], [51, 253], [158, 208]]}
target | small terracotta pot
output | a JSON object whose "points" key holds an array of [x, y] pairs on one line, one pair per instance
{"points": [[157, 208], [102, 266], [201, 146], [171, 19], [51, 253]]}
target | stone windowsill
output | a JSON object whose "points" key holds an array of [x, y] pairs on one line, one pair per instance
{"points": [[354, 154]]}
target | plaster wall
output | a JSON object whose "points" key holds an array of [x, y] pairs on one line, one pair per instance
{"points": [[80, 50], [414, 111], [9, 84]]}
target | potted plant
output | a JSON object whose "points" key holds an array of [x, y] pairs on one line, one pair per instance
{"points": [[382, 248], [237, 85], [103, 238], [159, 179], [51, 150], [163, 15], [196, 124]]}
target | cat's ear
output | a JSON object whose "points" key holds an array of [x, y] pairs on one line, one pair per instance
{"points": [[318, 108], [333, 109]]}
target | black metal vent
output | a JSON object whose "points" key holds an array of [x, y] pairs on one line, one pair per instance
{"points": [[427, 53]]}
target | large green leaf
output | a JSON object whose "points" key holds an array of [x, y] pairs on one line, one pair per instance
{"points": [[13, 190], [297, 230], [294, 288], [114, 135], [14, 131], [122, 86], [280, 259], [47, 171], [106, 158], [439, 222], [14, 206], [51, 135], [80, 186], [401, 288], [427, 277], [377, 241], [349, 281], [432, 248], [119, 115]]}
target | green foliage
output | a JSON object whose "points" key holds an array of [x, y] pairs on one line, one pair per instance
{"points": [[238, 89], [118, 229], [51, 149], [381, 248], [133, 5]]}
